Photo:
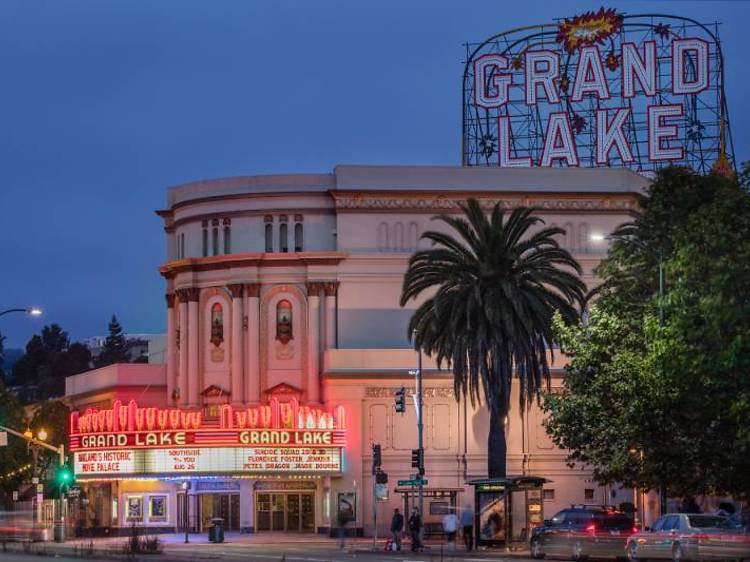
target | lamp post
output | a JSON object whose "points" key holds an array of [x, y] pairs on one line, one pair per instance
{"points": [[31, 311], [420, 428]]}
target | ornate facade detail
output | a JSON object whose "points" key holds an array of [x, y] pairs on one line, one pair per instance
{"points": [[314, 288], [170, 297], [264, 339], [375, 202], [389, 392], [330, 288], [190, 294], [252, 289], [236, 290]]}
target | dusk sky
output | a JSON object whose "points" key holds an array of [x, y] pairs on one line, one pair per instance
{"points": [[107, 103]]}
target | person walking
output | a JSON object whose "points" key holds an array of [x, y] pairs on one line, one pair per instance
{"points": [[397, 527], [415, 529], [467, 526], [450, 528]]}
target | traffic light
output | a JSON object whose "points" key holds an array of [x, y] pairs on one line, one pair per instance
{"points": [[377, 458], [64, 476], [401, 400], [381, 477], [417, 460]]}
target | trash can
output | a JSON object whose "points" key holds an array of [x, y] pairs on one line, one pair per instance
{"points": [[216, 530]]}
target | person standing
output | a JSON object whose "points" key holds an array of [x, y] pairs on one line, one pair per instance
{"points": [[397, 527], [450, 528], [467, 526], [415, 529]]}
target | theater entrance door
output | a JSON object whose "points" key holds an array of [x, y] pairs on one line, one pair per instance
{"points": [[285, 511]]}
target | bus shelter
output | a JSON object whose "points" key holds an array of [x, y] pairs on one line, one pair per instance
{"points": [[507, 509], [437, 502]]}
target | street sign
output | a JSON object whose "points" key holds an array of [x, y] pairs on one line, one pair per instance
{"points": [[414, 482], [3, 438], [39, 488], [15, 495]]}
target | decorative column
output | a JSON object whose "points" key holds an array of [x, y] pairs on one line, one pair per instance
{"points": [[193, 339], [171, 348], [182, 343], [252, 346], [236, 375], [313, 341], [330, 289]]}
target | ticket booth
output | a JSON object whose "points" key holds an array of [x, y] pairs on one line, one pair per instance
{"points": [[507, 509]]}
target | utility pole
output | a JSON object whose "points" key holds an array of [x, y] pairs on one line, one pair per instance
{"points": [[420, 428]]}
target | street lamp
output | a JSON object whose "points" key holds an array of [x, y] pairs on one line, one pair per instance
{"points": [[31, 311], [641, 245]]}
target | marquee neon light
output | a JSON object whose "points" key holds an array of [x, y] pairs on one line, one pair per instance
{"points": [[280, 424]]}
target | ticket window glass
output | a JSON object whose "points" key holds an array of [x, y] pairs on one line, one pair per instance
{"points": [[285, 511]]}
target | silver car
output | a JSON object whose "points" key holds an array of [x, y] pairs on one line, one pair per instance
{"points": [[688, 536]]}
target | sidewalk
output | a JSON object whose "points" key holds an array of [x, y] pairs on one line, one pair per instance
{"points": [[200, 549]]}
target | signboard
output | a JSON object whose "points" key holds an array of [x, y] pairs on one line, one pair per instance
{"points": [[598, 89], [381, 492], [207, 460]]}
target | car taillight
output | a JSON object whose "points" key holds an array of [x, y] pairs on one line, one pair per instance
{"points": [[701, 536], [635, 529], [591, 528]]}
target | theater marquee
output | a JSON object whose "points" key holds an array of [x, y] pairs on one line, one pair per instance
{"points": [[274, 438], [598, 89]]}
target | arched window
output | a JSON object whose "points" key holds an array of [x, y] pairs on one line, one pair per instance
{"points": [[283, 237], [227, 236], [570, 237], [412, 236], [217, 324], [383, 237], [284, 321], [269, 237], [398, 237], [215, 235], [583, 237], [298, 237], [204, 224]]}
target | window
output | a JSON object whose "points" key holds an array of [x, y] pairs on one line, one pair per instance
{"points": [[284, 321], [157, 508], [269, 237], [217, 325], [298, 237], [134, 508], [215, 236], [671, 523], [181, 246], [588, 494], [205, 238], [548, 494], [227, 236], [283, 238]]}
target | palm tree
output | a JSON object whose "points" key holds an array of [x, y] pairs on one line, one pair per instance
{"points": [[494, 288]]}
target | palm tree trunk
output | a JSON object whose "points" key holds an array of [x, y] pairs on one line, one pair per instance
{"points": [[497, 448]]}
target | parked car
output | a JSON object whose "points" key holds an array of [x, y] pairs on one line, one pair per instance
{"points": [[689, 536], [582, 532]]}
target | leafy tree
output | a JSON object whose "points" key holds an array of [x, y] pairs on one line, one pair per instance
{"points": [[496, 286], [2, 357], [115, 348], [15, 455], [675, 388], [53, 416], [49, 359]]}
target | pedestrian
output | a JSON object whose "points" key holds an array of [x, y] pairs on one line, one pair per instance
{"points": [[450, 528], [397, 527], [341, 521], [415, 529], [467, 525]]}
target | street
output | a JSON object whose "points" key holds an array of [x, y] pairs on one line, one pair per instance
{"points": [[247, 547]]}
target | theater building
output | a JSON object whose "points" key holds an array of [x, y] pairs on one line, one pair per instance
{"points": [[286, 343]]}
